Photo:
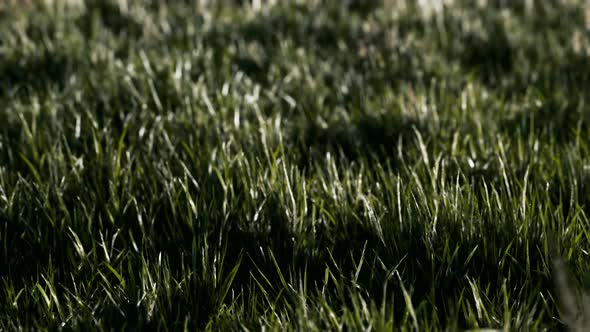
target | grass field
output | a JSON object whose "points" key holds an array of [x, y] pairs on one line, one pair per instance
{"points": [[294, 165]]}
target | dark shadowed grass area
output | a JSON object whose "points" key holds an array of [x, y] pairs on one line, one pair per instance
{"points": [[293, 165]]}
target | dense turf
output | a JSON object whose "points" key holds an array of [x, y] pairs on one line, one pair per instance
{"points": [[293, 165]]}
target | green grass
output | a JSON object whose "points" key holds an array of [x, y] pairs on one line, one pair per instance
{"points": [[305, 165]]}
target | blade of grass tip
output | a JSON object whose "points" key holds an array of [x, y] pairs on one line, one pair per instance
{"points": [[261, 273], [524, 192], [339, 285], [117, 275], [399, 202], [227, 283], [279, 272], [507, 313], [505, 177], [155, 96], [470, 256], [328, 214], [104, 247], [77, 243], [409, 305], [53, 296], [44, 295], [31, 168], [360, 264], [120, 146], [422, 146], [18, 295], [327, 273], [479, 301]]}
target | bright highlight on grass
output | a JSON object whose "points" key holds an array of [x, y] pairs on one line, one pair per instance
{"points": [[294, 165]]}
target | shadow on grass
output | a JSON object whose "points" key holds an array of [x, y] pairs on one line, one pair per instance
{"points": [[334, 33], [557, 119], [37, 70], [361, 137], [109, 15]]}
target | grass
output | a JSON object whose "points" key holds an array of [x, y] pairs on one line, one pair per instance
{"points": [[293, 165]]}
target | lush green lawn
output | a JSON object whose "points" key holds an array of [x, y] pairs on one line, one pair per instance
{"points": [[303, 165]]}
